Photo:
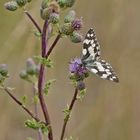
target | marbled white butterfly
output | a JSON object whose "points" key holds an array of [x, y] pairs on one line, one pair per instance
{"points": [[91, 58]]}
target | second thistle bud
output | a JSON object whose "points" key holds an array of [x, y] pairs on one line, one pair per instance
{"points": [[76, 37], [70, 16], [21, 2], [31, 67], [54, 18], [11, 5], [67, 29]]}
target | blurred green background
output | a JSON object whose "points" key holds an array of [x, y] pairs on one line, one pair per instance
{"points": [[109, 111]]}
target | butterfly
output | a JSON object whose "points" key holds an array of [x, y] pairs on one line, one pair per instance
{"points": [[92, 61]]}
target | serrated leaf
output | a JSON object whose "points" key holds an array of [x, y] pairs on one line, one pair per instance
{"points": [[66, 112], [81, 94], [33, 124], [48, 85], [35, 99], [37, 34], [44, 61], [24, 100]]}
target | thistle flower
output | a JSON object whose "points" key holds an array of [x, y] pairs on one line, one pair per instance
{"points": [[77, 71], [77, 24], [11, 5]]}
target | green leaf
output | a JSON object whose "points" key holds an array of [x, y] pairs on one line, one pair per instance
{"points": [[37, 34], [66, 112], [35, 99], [24, 100], [81, 95], [33, 124], [45, 61], [48, 85]]}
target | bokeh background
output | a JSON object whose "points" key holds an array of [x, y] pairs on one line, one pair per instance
{"points": [[109, 111]]}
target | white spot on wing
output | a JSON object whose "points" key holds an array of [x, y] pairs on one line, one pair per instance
{"points": [[84, 52], [86, 41], [94, 71]]}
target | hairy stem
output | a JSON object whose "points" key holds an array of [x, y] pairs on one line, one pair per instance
{"points": [[33, 21], [20, 104], [53, 45], [41, 82], [68, 116]]}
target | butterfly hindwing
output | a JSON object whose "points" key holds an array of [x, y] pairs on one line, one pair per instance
{"points": [[91, 47], [103, 69], [92, 61]]}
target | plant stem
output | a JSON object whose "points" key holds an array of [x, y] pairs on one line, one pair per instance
{"points": [[53, 45], [41, 82], [68, 116], [20, 103], [36, 109], [33, 21]]}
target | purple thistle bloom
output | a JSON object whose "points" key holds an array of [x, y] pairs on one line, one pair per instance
{"points": [[77, 68], [77, 24]]}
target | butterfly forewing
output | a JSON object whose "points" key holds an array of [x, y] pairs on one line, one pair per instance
{"points": [[91, 47], [92, 61]]}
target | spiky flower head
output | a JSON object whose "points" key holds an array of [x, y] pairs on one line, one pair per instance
{"points": [[76, 37], [70, 16], [77, 71], [66, 3], [77, 24], [30, 67], [81, 85], [3, 70], [21, 3], [54, 18], [11, 5], [67, 29], [70, 3]]}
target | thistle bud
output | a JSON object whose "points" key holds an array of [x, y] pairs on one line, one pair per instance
{"points": [[70, 3], [77, 24], [21, 2], [76, 37], [29, 1], [23, 74], [30, 67], [11, 5], [54, 18], [45, 13], [81, 85], [62, 3], [3, 70], [70, 16], [44, 4], [67, 29]]}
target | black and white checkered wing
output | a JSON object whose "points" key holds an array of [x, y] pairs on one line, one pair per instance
{"points": [[92, 61], [91, 47], [102, 69]]}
